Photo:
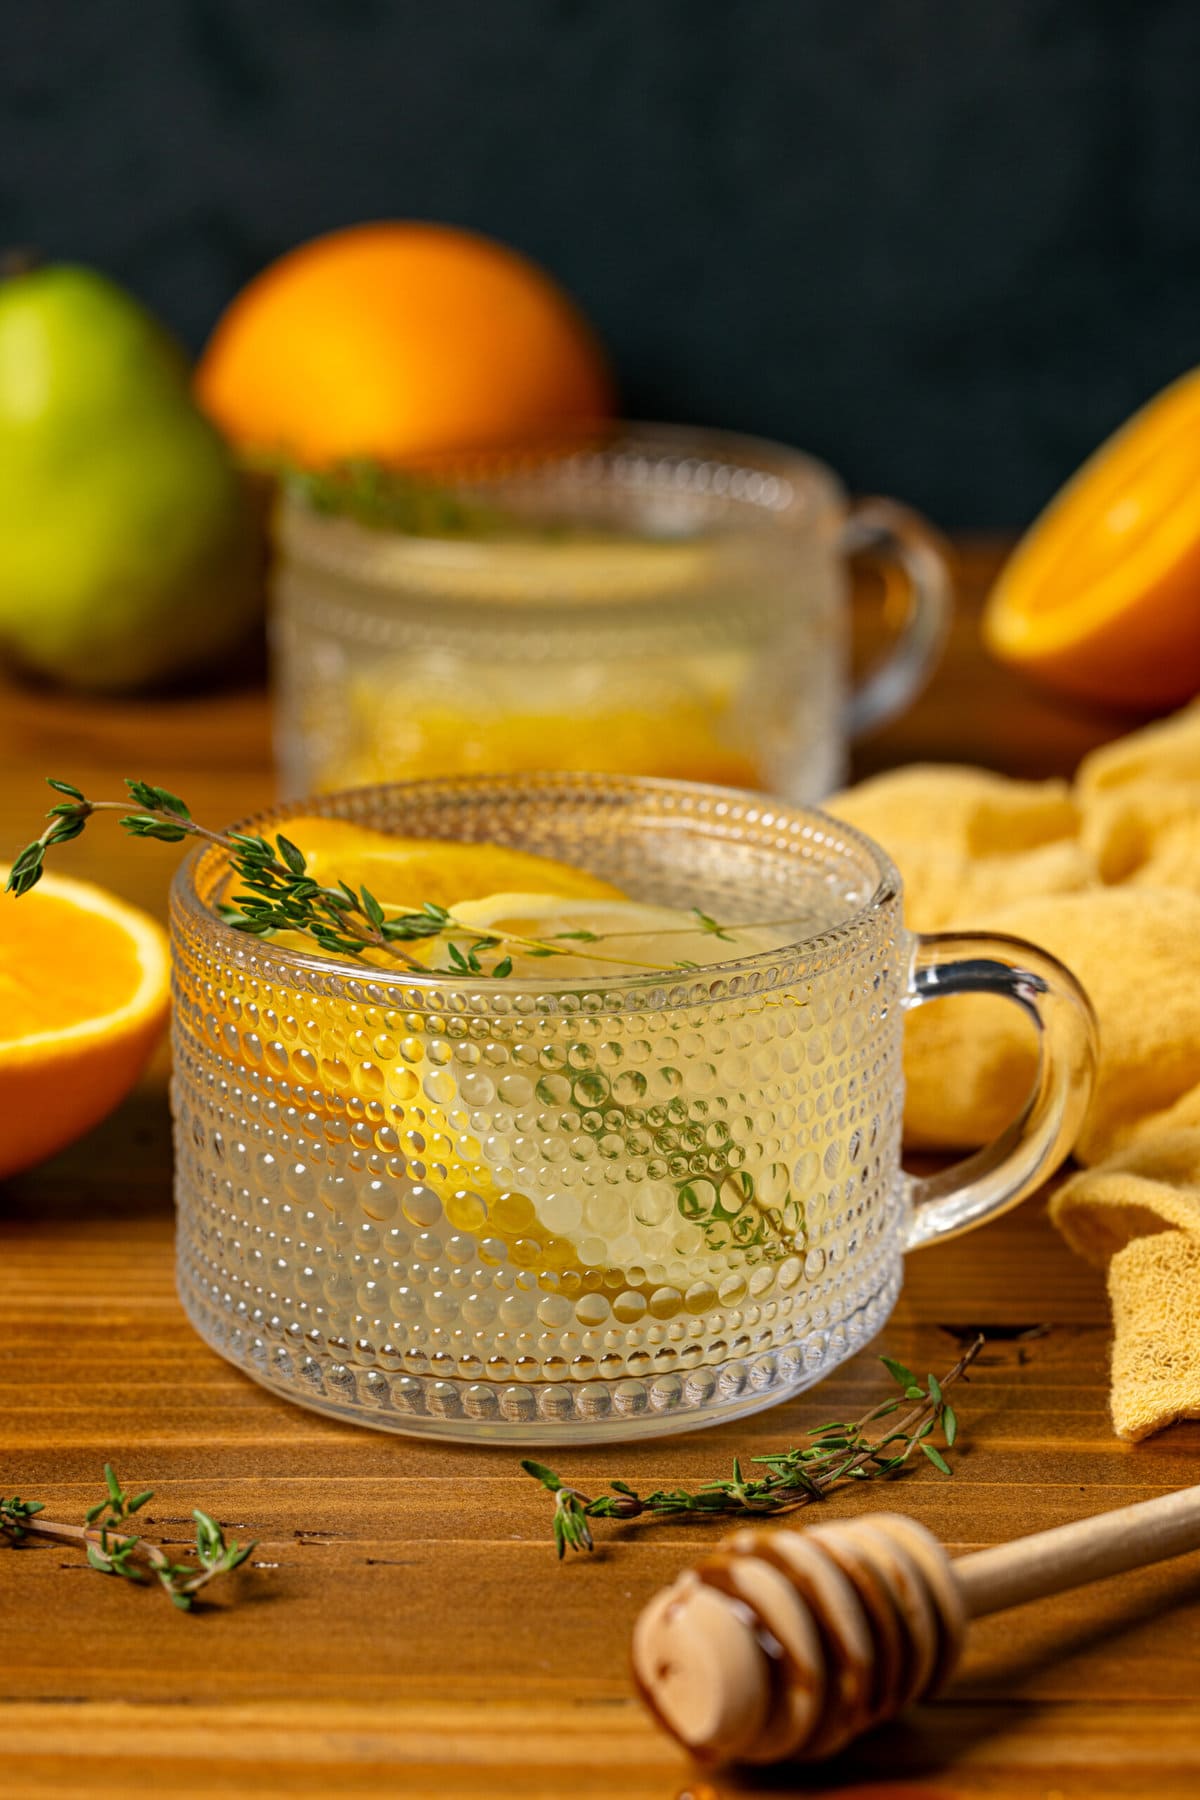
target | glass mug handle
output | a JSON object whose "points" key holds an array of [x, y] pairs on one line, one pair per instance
{"points": [[1032, 1147], [882, 531]]}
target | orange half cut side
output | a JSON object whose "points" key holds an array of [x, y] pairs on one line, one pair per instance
{"points": [[84, 992], [1101, 598]]}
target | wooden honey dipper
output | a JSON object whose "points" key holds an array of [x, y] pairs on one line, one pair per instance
{"points": [[788, 1644]]}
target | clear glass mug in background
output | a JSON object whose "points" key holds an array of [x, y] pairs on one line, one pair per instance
{"points": [[527, 1210], [647, 600]]}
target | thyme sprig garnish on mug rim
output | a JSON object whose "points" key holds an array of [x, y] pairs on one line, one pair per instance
{"points": [[837, 1452], [281, 895], [408, 501], [112, 1549]]}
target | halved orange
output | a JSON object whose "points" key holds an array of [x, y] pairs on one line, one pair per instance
{"points": [[1101, 598], [84, 991]]}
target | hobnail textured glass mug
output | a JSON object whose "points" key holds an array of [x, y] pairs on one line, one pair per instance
{"points": [[536, 1210], [651, 600]]}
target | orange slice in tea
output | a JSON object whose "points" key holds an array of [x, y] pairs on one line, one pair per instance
{"points": [[84, 989], [404, 872]]}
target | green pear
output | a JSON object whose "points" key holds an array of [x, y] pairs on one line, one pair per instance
{"points": [[129, 544]]}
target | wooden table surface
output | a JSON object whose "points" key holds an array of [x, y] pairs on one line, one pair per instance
{"points": [[404, 1626]]}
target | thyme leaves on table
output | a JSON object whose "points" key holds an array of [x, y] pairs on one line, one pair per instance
{"points": [[282, 895], [112, 1549], [877, 1445]]}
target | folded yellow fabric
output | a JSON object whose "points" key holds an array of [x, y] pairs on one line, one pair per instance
{"points": [[1147, 833], [1106, 876], [1148, 1189], [1154, 1287], [945, 888], [960, 808], [1167, 751], [969, 1061], [1138, 1216]]}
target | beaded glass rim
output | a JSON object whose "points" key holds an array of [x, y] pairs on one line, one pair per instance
{"points": [[635, 458], [718, 810]]}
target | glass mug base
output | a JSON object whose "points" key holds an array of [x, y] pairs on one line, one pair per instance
{"points": [[632, 1201], [685, 1398]]}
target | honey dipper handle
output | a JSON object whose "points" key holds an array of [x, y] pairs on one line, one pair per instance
{"points": [[1049, 1562]]}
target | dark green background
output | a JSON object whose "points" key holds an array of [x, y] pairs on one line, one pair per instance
{"points": [[946, 244]]}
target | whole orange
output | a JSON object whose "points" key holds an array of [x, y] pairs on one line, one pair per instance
{"points": [[388, 339]]}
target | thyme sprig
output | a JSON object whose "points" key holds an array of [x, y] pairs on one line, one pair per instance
{"points": [[391, 499], [836, 1452], [112, 1550], [280, 894]]}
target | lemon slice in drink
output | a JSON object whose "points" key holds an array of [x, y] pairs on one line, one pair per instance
{"points": [[607, 938], [515, 1203], [575, 569], [614, 1227]]}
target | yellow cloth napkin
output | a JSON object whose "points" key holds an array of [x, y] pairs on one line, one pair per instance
{"points": [[1106, 876]]}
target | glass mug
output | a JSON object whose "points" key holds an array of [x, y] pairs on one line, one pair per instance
{"points": [[652, 600], [528, 1211]]}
